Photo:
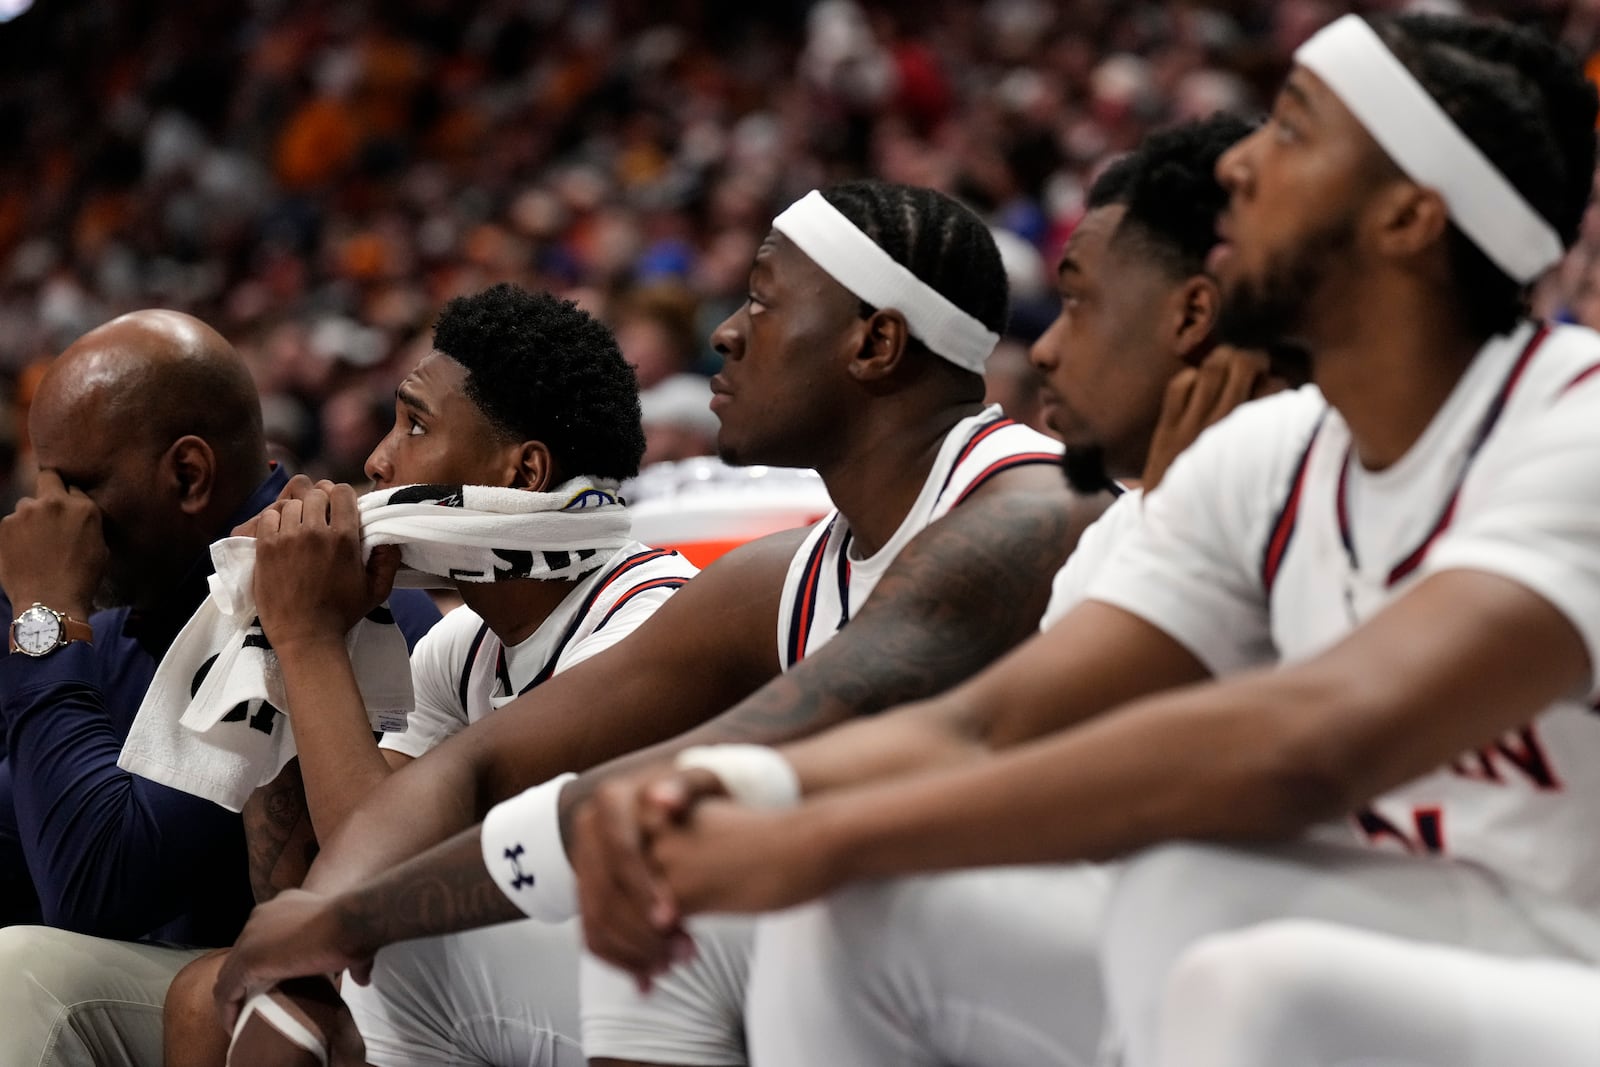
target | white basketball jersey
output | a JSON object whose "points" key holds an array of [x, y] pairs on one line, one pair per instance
{"points": [[826, 583], [1269, 541], [461, 671]]}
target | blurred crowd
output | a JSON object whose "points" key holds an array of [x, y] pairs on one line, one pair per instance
{"points": [[316, 177]]}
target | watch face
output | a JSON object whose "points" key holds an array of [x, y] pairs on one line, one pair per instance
{"points": [[37, 631]]}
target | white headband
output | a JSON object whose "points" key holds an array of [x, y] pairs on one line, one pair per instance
{"points": [[855, 261], [1423, 141]]}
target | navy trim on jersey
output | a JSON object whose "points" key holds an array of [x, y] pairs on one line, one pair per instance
{"points": [[502, 672], [1283, 526], [624, 567], [642, 587], [844, 578], [1491, 418], [979, 435], [803, 613], [466, 668], [805, 602], [1000, 466]]}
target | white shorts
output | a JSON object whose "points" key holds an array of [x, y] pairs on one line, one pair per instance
{"points": [[501, 996], [1173, 897], [693, 1014], [1304, 994], [988, 968]]}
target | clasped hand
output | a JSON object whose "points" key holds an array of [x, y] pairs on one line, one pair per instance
{"points": [[652, 849], [311, 581]]}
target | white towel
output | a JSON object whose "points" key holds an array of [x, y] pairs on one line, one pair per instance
{"points": [[491, 534], [212, 722]]}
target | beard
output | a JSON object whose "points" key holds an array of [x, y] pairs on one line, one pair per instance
{"points": [[1289, 362], [115, 591], [1084, 467], [1269, 310]]}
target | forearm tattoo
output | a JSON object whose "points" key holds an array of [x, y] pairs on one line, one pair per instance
{"points": [[965, 591], [444, 890], [278, 834]]}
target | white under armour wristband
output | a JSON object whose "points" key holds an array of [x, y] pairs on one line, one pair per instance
{"points": [[1415, 132], [754, 775], [522, 849], [858, 263]]}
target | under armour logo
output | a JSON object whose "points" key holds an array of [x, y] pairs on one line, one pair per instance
{"points": [[523, 878]]}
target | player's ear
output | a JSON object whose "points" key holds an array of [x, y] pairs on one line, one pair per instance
{"points": [[534, 467], [189, 470], [1194, 315], [1411, 219], [885, 337]]}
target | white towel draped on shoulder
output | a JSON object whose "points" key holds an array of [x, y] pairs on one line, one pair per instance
{"points": [[215, 720]]}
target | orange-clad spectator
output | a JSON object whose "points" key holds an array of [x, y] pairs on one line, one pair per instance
{"points": [[318, 142]]}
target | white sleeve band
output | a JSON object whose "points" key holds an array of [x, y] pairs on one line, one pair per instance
{"points": [[522, 849], [754, 775]]}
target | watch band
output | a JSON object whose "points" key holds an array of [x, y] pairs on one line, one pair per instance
{"points": [[76, 630]]}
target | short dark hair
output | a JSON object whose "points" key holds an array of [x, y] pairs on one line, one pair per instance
{"points": [[1168, 186], [1523, 100], [542, 369], [936, 238]]}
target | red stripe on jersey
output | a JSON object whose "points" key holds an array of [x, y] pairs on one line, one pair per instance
{"points": [[1283, 526], [981, 434], [636, 560], [1021, 459], [631, 563], [1581, 377], [805, 605], [670, 582], [1490, 419]]}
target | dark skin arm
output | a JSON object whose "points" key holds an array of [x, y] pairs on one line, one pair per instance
{"points": [[708, 646], [278, 834], [1454, 663], [962, 592], [409, 901]]}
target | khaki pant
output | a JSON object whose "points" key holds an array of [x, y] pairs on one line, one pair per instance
{"points": [[70, 1000]]}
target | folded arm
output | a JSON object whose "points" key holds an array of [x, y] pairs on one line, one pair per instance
{"points": [[962, 592], [110, 853], [707, 647], [1460, 659]]}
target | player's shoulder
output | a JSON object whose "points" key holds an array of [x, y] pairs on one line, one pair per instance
{"points": [[1256, 443], [1117, 521], [988, 438], [637, 561], [1568, 359], [1289, 414]]}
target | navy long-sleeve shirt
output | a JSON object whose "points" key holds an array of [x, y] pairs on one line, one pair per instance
{"points": [[107, 852]]}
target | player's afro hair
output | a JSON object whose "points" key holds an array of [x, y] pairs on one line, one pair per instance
{"points": [[1168, 186], [542, 369], [1524, 102]]}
